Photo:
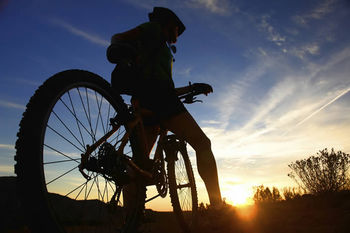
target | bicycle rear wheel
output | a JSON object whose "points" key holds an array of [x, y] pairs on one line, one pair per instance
{"points": [[182, 187], [70, 111]]}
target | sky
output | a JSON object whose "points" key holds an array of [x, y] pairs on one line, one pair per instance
{"points": [[280, 71]]}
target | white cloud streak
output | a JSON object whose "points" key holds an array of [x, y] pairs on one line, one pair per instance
{"points": [[272, 34], [9, 104], [324, 106], [231, 98], [261, 147], [78, 32], [217, 7], [320, 11], [220, 7], [6, 169], [7, 146]]}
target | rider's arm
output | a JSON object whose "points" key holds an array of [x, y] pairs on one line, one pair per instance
{"points": [[183, 90], [195, 88]]}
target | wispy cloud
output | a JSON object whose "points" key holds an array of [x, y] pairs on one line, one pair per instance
{"points": [[272, 34], [7, 146], [147, 4], [318, 12], [183, 72], [220, 7], [9, 104], [309, 103], [27, 82], [231, 97], [79, 32], [304, 50], [6, 169]]}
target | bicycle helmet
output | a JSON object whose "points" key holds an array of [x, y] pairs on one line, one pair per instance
{"points": [[164, 15]]}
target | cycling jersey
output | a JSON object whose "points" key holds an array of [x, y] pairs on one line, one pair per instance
{"points": [[156, 59]]}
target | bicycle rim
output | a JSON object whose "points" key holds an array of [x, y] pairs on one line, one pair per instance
{"points": [[182, 189], [69, 112]]}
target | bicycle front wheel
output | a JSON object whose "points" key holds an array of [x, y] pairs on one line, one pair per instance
{"points": [[69, 112], [182, 187]]}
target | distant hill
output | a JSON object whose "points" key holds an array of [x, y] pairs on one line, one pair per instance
{"points": [[11, 213], [308, 214]]}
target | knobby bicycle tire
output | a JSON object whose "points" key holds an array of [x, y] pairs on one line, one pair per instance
{"points": [[182, 188], [43, 127]]}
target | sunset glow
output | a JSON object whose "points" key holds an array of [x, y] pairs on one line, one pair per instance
{"points": [[238, 196], [279, 71]]}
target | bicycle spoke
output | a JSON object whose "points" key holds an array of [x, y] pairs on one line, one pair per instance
{"points": [[184, 200], [89, 113], [87, 116], [84, 187], [99, 117], [76, 119], [108, 125], [83, 184], [98, 188], [61, 161], [65, 138], [106, 189], [62, 175], [59, 152], [116, 137], [67, 128], [87, 195], [79, 115]]}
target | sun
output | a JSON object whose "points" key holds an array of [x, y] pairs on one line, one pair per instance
{"points": [[238, 195]]}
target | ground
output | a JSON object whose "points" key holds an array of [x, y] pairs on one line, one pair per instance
{"points": [[308, 214]]}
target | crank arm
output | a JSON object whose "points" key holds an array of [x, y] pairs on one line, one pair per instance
{"points": [[137, 169]]}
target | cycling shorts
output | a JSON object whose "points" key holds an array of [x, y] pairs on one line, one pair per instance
{"points": [[160, 98]]}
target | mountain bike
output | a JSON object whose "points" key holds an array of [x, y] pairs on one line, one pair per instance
{"points": [[81, 164]]}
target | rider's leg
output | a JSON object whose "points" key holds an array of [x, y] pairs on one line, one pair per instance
{"points": [[183, 125], [129, 191]]}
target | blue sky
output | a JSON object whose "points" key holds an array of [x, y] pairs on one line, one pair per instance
{"points": [[279, 69]]}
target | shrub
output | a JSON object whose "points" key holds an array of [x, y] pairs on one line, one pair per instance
{"points": [[263, 194], [292, 193], [326, 172]]}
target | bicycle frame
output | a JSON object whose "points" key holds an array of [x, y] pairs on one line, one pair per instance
{"points": [[130, 126], [135, 125]]}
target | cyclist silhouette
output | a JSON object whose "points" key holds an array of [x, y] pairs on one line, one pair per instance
{"points": [[144, 53]]}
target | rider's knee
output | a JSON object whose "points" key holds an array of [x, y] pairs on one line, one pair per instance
{"points": [[204, 145], [207, 143]]}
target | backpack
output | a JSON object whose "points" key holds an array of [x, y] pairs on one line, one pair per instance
{"points": [[125, 75]]}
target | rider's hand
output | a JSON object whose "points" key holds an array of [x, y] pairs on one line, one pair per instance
{"points": [[201, 88]]}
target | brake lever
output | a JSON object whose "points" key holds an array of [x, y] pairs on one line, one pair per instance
{"points": [[190, 99]]}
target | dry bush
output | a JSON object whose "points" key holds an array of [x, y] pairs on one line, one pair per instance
{"points": [[263, 194], [326, 172], [292, 193]]}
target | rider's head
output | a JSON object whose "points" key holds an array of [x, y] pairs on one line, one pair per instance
{"points": [[171, 24]]}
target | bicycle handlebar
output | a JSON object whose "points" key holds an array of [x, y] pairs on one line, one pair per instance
{"points": [[190, 98], [201, 88]]}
